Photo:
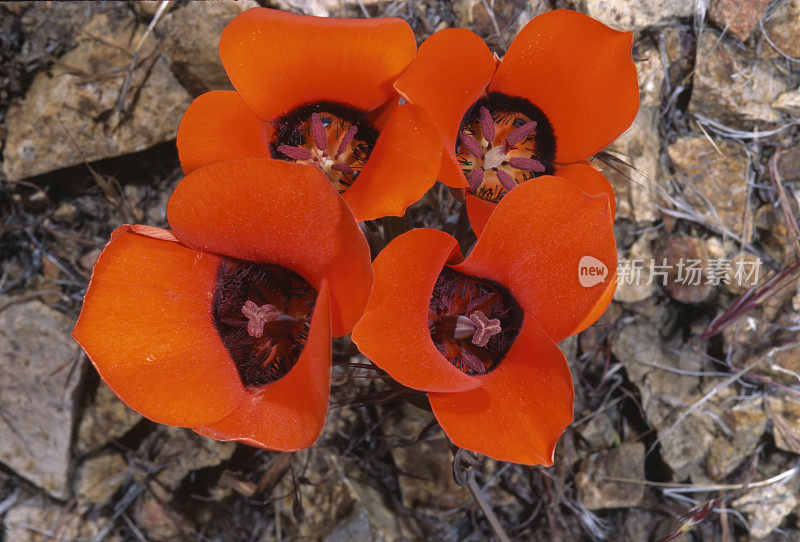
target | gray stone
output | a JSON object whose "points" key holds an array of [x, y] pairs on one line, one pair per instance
{"points": [[321, 8], [191, 40], [733, 88], [713, 180], [42, 368], [638, 14], [653, 366], [38, 520], [634, 186], [599, 432], [766, 508], [356, 526], [650, 73], [625, 461], [634, 283], [104, 420], [71, 114]]}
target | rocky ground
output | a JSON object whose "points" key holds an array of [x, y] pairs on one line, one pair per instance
{"points": [[687, 396]]}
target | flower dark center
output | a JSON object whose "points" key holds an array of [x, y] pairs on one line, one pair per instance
{"points": [[503, 141], [333, 136], [262, 313], [472, 321]]}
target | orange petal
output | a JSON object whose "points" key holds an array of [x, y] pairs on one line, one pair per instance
{"points": [[533, 245], [289, 414], [521, 408], [582, 175], [450, 172], [591, 181], [448, 75], [282, 213], [218, 126], [393, 332], [146, 326], [478, 211], [279, 61], [580, 73], [401, 168]]}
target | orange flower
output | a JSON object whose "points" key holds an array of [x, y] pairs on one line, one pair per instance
{"points": [[319, 91], [479, 334], [224, 324], [565, 89]]}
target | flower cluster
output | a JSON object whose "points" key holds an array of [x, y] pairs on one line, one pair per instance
{"points": [[224, 323]]}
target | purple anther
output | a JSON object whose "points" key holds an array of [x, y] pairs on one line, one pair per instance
{"points": [[318, 132], [485, 328], [520, 133], [475, 180], [506, 180], [526, 164], [347, 139], [344, 168], [471, 361], [297, 153], [487, 124], [475, 303], [471, 144]]}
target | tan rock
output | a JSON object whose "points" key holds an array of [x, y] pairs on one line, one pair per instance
{"points": [[481, 18], [424, 464], [740, 17], [333, 490], [781, 363], [789, 164], [41, 368], [784, 412], [788, 102], [713, 181], [746, 421], [732, 87], [71, 114], [782, 27], [181, 451], [684, 260], [100, 477], [160, 521]]}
